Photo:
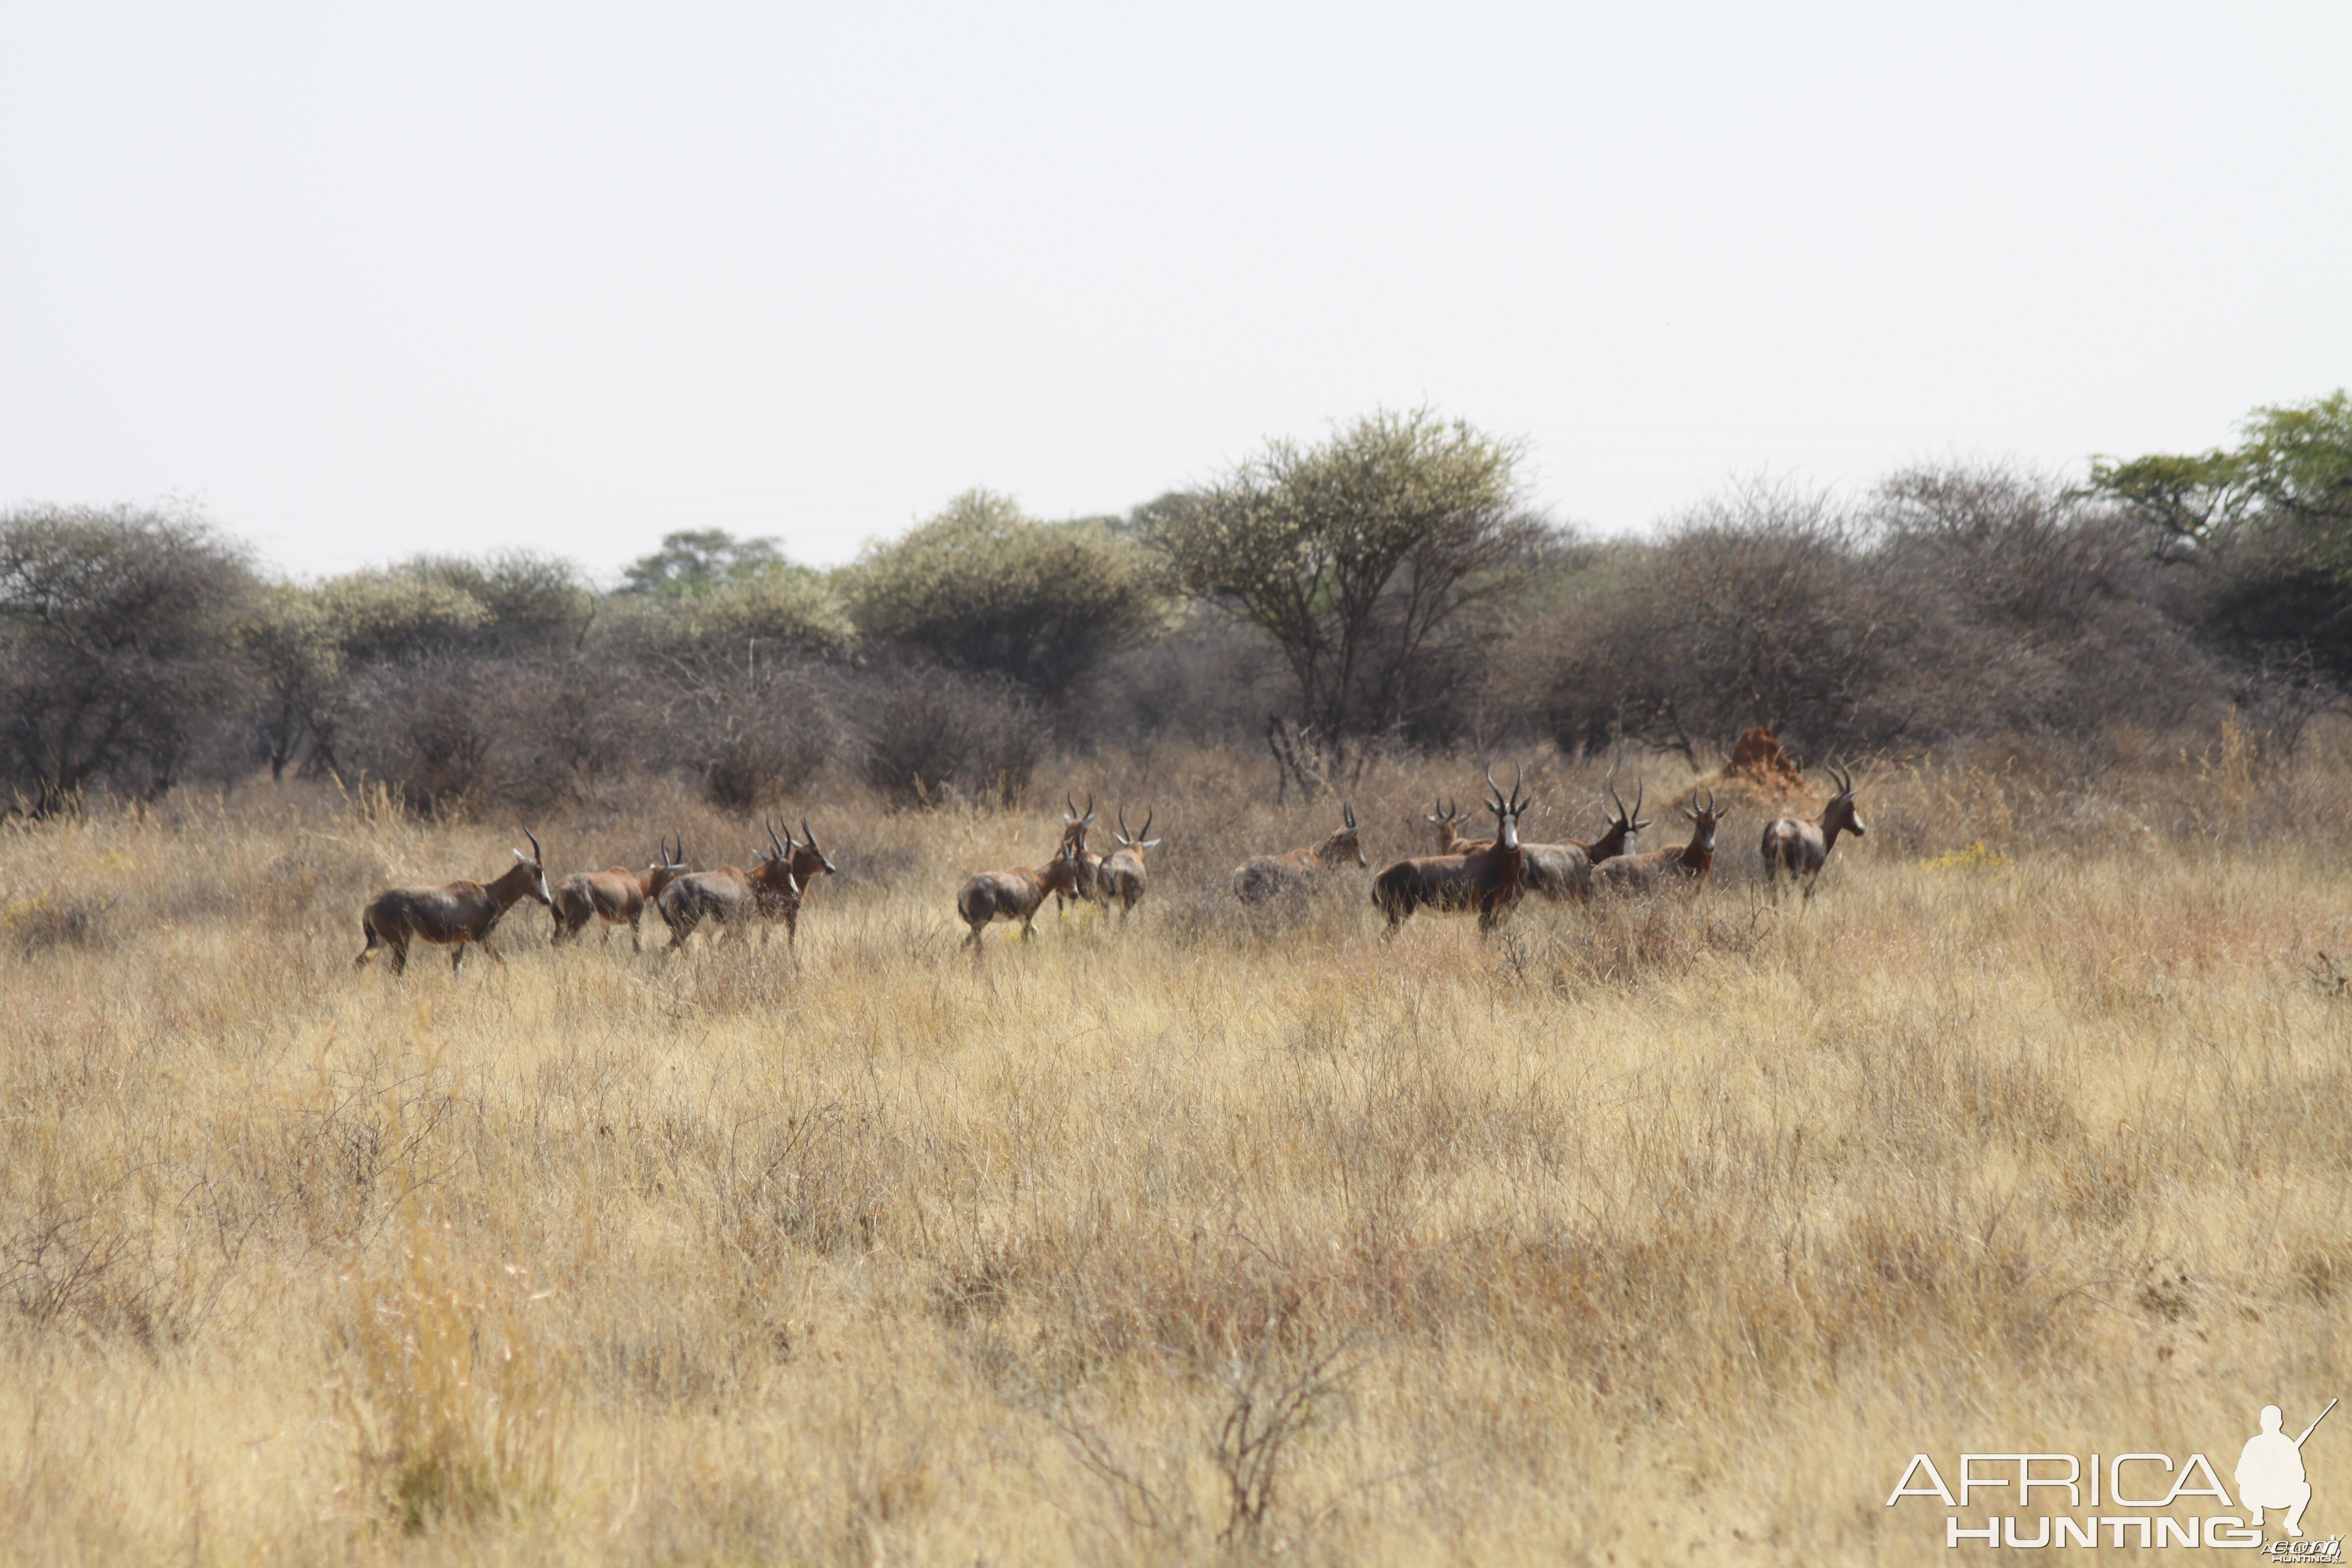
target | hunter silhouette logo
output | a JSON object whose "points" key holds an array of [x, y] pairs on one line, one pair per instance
{"points": [[2270, 1470], [2139, 1499]]}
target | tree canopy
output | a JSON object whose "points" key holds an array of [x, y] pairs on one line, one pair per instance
{"points": [[984, 588], [2294, 465], [1357, 555], [114, 643], [697, 560]]}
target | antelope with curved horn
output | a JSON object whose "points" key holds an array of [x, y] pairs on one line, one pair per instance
{"points": [[781, 876], [1564, 870], [667, 868], [1262, 877], [1657, 867], [453, 914], [1800, 847], [1075, 824], [1451, 827], [1120, 877], [1486, 879], [1016, 894]]}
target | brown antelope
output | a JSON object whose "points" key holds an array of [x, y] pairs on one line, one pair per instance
{"points": [[453, 914], [1658, 868], [1451, 827], [616, 897], [1800, 847], [780, 878], [1484, 879], [668, 869], [1564, 870], [1120, 877], [1075, 824], [1016, 894], [724, 897], [1262, 877]]}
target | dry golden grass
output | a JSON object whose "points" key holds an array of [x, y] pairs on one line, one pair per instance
{"points": [[1633, 1233]]}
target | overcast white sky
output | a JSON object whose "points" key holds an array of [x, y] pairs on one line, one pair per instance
{"points": [[363, 282]]}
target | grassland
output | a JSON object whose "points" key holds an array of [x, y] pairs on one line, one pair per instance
{"points": [[1661, 1232]]}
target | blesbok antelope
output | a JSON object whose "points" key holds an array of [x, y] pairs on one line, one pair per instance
{"points": [[1800, 847], [1451, 827], [1659, 867], [1016, 894], [1564, 870], [613, 896], [452, 914], [780, 878], [1075, 824], [1484, 879], [668, 869], [724, 897], [1120, 877], [616, 897], [1263, 877]]}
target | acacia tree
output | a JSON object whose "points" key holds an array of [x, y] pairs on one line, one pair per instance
{"points": [[2268, 524], [116, 642], [980, 587], [299, 666], [1356, 557], [2294, 466], [697, 560]]}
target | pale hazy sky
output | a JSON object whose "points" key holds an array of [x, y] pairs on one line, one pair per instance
{"points": [[361, 281]]}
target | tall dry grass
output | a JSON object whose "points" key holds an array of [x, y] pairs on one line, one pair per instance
{"points": [[1635, 1232]]}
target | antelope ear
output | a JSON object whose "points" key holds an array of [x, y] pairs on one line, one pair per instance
{"points": [[1150, 844], [520, 858]]}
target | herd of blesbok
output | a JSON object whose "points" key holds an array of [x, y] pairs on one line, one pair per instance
{"points": [[1484, 877]]}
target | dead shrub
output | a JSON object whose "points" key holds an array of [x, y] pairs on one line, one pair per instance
{"points": [[935, 734]]}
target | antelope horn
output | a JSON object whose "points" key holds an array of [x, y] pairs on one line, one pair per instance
{"points": [[1518, 776], [1146, 827], [1090, 806], [1349, 813], [807, 837], [782, 853], [1071, 815], [1123, 837], [537, 859], [1623, 814]]}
